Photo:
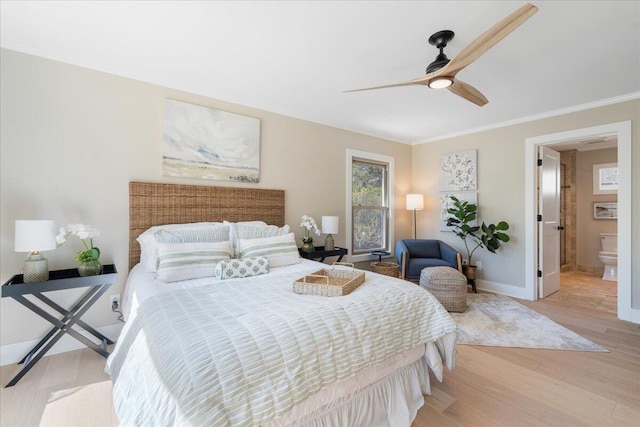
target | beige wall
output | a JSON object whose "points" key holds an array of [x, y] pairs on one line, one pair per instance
{"points": [[589, 229], [73, 138], [501, 186]]}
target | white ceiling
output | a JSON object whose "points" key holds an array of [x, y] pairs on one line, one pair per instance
{"points": [[297, 58]]}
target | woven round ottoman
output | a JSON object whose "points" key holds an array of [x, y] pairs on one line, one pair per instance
{"points": [[448, 285]]}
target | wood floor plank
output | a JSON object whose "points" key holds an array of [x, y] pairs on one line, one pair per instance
{"points": [[587, 406], [92, 398], [61, 369], [623, 415]]}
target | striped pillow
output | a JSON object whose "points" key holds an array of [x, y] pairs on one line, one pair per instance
{"points": [[252, 230], [279, 250], [218, 233], [184, 261], [177, 233]]}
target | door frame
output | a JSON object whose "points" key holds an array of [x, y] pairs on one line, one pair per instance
{"points": [[623, 132]]}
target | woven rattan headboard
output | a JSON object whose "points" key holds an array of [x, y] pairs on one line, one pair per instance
{"points": [[157, 204]]}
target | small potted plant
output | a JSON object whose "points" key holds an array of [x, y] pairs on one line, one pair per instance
{"points": [[484, 236], [308, 223], [88, 264]]}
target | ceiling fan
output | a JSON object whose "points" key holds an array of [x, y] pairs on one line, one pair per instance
{"points": [[441, 73]]}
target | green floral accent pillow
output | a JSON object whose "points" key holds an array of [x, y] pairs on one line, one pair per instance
{"points": [[245, 267]]}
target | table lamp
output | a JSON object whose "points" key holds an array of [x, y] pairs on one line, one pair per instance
{"points": [[33, 237], [415, 202], [329, 227]]}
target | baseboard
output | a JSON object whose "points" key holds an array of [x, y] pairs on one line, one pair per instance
{"points": [[501, 288], [12, 353], [591, 269]]}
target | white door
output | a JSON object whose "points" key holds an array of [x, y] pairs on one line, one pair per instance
{"points": [[549, 226]]}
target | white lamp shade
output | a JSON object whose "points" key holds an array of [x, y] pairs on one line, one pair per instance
{"points": [[330, 224], [35, 236], [415, 201]]}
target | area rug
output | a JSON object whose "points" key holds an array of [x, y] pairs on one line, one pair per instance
{"points": [[497, 320]]}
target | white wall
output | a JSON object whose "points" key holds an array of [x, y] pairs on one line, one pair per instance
{"points": [[73, 138]]}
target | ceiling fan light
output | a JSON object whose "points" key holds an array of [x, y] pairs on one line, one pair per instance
{"points": [[440, 83]]}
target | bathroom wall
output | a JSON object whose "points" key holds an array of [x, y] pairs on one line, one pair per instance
{"points": [[569, 191], [588, 228]]}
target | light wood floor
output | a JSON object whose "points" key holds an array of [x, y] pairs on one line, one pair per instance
{"points": [[489, 386], [493, 386]]}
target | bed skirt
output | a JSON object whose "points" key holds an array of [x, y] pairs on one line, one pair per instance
{"points": [[392, 401]]}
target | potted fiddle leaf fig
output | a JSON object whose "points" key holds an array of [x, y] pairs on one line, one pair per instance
{"points": [[473, 236]]}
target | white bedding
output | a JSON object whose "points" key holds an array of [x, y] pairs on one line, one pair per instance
{"points": [[250, 351]]}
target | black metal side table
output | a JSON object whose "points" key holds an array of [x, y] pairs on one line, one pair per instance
{"points": [[59, 280], [322, 254]]}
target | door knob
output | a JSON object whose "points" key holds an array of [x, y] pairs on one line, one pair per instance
{"points": [[560, 227]]}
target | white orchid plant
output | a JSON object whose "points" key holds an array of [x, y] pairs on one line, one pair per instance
{"points": [[84, 233], [308, 223]]}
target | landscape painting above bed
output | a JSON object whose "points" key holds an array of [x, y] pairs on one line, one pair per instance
{"points": [[202, 142]]}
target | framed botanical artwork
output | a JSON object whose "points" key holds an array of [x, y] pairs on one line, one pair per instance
{"points": [[446, 203], [607, 210], [459, 171], [605, 178], [202, 142]]}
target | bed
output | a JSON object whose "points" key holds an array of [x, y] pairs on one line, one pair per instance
{"points": [[250, 351]]}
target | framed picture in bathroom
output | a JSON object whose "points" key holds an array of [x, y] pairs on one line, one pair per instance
{"points": [[606, 210]]}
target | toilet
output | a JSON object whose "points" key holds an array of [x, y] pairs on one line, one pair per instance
{"points": [[608, 255]]}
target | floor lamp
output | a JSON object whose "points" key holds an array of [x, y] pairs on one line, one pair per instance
{"points": [[415, 202]]}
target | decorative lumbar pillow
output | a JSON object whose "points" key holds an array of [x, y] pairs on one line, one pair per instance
{"points": [[245, 267], [184, 261], [279, 250], [177, 233]]}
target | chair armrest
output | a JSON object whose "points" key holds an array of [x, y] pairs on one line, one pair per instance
{"points": [[402, 253], [450, 255]]}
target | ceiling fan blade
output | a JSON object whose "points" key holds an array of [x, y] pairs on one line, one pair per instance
{"points": [[488, 39], [419, 81], [468, 92]]}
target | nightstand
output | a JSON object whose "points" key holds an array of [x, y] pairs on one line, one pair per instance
{"points": [[59, 280], [322, 254]]}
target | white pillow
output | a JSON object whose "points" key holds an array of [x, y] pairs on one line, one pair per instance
{"points": [[253, 230], [246, 267], [148, 241], [184, 261], [279, 250]]}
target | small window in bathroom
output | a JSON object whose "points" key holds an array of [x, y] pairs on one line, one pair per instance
{"points": [[605, 178]]}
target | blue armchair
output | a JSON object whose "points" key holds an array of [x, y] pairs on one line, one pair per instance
{"points": [[416, 254]]}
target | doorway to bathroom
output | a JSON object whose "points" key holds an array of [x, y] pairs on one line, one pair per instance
{"points": [[584, 231], [535, 248]]}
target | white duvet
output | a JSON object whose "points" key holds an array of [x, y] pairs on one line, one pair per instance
{"points": [[246, 351]]}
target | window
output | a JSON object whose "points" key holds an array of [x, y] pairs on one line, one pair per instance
{"points": [[369, 196], [605, 178]]}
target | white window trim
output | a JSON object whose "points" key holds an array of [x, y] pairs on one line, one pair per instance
{"points": [[363, 155]]}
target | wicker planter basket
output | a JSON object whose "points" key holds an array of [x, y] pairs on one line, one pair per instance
{"points": [[386, 268], [330, 282], [448, 285]]}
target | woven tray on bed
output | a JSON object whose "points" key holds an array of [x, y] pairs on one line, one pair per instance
{"points": [[330, 282]]}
